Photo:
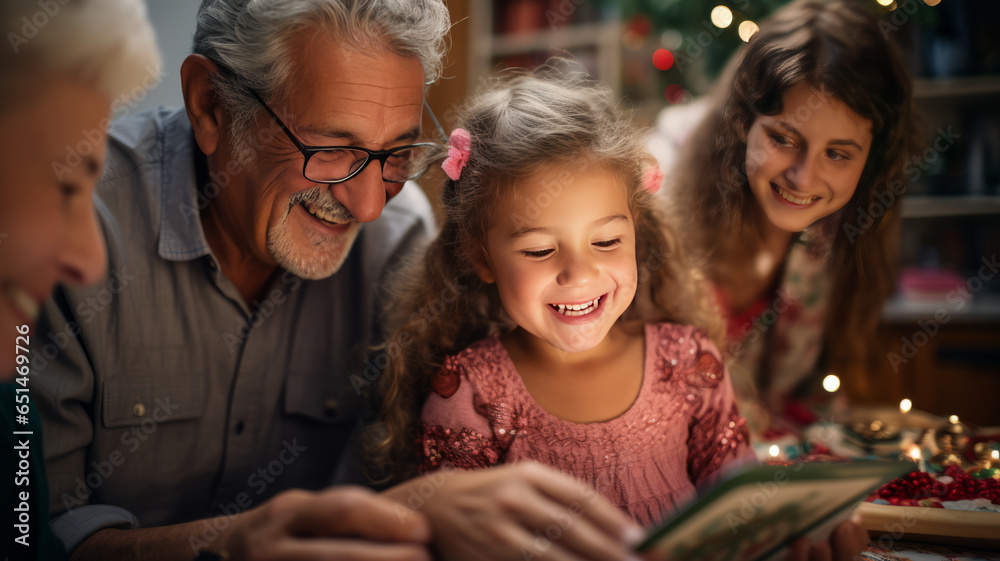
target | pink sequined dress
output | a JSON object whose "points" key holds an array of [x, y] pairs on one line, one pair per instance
{"points": [[681, 429]]}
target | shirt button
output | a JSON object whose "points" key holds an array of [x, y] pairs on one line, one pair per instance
{"points": [[239, 427], [212, 265], [138, 409]]}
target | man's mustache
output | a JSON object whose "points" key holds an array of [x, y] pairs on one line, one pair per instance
{"points": [[321, 198]]}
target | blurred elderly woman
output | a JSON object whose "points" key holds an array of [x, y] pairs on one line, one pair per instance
{"points": [[65, 66]]}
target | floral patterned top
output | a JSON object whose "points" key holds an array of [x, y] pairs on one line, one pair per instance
{"points": [[776, 348], [678, 433]]}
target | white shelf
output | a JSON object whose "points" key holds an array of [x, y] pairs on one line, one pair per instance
{"points": [[485, 46], [980, 308], [918, 206], [570, 37], [943, 88]]}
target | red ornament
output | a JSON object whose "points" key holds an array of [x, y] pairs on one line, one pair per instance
{"points": [[640, 24], [674, 93], [663, 59]]}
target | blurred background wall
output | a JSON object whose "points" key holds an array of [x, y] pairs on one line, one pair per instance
{"points": [[174, 24]]}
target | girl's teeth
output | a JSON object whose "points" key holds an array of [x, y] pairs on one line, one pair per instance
{"points": [[793, 199], [577, 309]]}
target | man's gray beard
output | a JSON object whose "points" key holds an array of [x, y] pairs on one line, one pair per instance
{"points": [[326, 254]]}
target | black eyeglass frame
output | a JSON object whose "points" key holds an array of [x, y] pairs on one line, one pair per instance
{"points": [[308, 151]]}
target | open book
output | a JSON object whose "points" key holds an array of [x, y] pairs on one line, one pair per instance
{"points": [[757, 512]]}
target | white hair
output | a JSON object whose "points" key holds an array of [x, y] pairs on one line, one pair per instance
{"points": [[251, 38], [106, 43]]}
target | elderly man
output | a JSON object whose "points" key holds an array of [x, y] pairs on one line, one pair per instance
{"points": [[209, 377]]}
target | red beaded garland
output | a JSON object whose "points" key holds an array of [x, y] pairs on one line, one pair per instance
{"points": [[918, 487]]}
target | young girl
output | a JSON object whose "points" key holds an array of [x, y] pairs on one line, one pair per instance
{"points": [[540, 323]]}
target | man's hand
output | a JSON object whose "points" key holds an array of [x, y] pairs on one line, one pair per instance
{"points": [[349, 523], [338, 523], [517, 512]]}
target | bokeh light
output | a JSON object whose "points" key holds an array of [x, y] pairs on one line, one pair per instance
{"points": [[663, 59], [953, 419], [722, 16], [640, 24], [905, 406], [633, 40], [773, 451], [675, 93], [831, 383], [671, 39], [747, 29], [932, 2], [885, 2]]}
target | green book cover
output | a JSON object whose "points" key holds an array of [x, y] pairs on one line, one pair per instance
{"points": [[760, 510]]}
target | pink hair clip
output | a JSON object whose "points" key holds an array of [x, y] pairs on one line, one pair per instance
{"points": [[653, 179], [459, 144]]}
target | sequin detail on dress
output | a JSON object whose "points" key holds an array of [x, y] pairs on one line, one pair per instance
{"points": [[712, 438], [463, 448], [681, 428]]}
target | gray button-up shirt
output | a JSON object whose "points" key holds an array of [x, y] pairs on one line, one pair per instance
{"points": [[166, 398]]}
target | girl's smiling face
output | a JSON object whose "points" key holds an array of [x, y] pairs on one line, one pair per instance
{"points": [[804, 164], [561, 250]]}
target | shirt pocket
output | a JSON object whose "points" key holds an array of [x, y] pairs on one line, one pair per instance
{"points": [[324, 397], [131, 401]]}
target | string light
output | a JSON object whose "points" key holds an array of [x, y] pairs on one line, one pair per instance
{"points": [[831, 383], [747, 29], [905, 406], [722, 16]]}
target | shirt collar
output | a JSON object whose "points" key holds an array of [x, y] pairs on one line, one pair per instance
{"points": [[181, 235]]}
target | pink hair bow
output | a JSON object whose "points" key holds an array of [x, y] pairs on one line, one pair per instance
{"points": [[653, 179], [458, 153]]}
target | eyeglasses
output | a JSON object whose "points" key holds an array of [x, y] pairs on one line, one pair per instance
{"points": [[336, 164]]}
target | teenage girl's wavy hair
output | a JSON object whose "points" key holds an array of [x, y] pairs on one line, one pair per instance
{"points": [[835, 47], [522, 123]]}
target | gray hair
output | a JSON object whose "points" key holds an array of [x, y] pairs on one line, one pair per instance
{"points": [[251, 38], [106, 43]]}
